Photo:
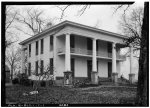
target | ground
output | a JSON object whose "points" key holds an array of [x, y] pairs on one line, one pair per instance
{"points": [[66, 95]]}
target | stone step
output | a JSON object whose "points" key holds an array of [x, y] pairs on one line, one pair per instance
{"points": [[103, 79]]}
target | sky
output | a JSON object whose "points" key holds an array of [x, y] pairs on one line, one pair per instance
{"points": [[101, 14]]}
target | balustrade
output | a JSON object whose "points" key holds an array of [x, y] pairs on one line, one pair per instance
{"points": [[89, 52]]}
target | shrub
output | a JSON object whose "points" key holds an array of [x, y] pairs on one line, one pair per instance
{"points": [[46, 83], [82, 83], [25, 82], [23, 79], [51, 82], [31, 82], [43, 83], [15, 81]]}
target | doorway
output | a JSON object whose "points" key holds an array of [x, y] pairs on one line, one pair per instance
{"points": [[72, 67], [109, 69], [89, 69]]}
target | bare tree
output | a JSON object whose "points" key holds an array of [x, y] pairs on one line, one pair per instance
{"points": [[12, 58], [34, 20], [11, 13], [45, 75], [138, 32], [63, 9], [142, 89], [131, 26], [140, 38]]}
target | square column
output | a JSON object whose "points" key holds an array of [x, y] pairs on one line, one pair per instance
{"points": [[94, 59], [94, 74], [119, 65], [67, 73], [131, 75], [67, 53], [55, 53], [22, 60], [114, 72]]}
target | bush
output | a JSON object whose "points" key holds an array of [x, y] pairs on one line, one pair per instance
{"points": [[83, 83], [15, 81], [23, 79], [51, 82], [43, 83], [25, 82]]}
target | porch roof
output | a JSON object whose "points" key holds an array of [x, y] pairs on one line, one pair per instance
{"points": [[69, 23]]}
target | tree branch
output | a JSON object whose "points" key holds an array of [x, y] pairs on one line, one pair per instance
{"points": [[62, 11], [23, 31]]}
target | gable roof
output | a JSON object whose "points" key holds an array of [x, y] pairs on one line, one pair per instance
{"points": [[65, 23]]}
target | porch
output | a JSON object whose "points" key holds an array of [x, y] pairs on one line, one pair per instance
{"points": [[71, 45], [88, 53]]}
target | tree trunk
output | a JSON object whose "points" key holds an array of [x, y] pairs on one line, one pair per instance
{"points": [[11, 73], [142, 93], [3, 73]]}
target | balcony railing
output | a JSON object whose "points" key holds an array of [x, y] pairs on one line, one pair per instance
{"points": [[81, 51], [89, 52]]}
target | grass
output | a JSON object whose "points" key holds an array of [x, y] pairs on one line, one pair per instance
{"points": [[65, 95]]}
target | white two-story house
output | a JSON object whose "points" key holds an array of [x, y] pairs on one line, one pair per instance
{"points": [[75, 51]]}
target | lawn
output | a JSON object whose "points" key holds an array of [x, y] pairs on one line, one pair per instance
{"points": [[65, 95]]}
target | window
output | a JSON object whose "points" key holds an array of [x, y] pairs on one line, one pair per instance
{"points": [[42, 67], [73, 66], [109, 47], [97, 65], [36, 68], [51, 66], [96, 45], [29, 69], [51, 43], [89, 44], [36, 48], [42, 45], [72, 41], [29, 50]]}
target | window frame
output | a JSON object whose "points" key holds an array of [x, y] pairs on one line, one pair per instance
{"points": [[36, 48], [51, 66], [29, 68], [36, 67], [42, 67], [109, 47], [72, 41], [42, 46], [51, 42], [29, 50]]}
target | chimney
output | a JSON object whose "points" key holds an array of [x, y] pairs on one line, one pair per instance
{"points": [[36, 31]]}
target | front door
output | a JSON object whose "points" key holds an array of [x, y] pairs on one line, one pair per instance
{"points": [[109, 69], [72, 66], [89, 69]]}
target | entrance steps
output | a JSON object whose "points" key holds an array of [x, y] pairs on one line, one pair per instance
{"points": [[108, 81], [105, 81]]}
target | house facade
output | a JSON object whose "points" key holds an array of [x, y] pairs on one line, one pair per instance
{"points": [[75, 51]]}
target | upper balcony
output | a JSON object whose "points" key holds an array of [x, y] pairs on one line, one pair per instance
{"points": [[88, 53]]}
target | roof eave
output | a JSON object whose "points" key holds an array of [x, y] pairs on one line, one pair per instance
{"points": [[74, 24], [47, 30]]}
